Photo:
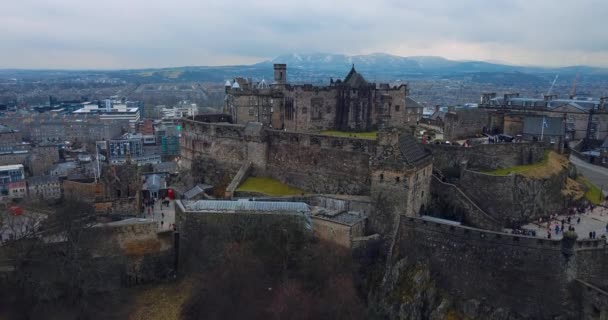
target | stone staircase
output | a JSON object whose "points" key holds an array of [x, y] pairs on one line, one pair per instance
{"points": [[240, 176]]}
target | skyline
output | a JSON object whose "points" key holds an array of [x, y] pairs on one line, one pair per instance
{"points": [[69, 34]]}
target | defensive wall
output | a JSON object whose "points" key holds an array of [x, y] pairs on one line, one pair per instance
{"points": [[123, 253], [486, 157], [593, 301], [451, 202], [515, 199], [531, 276], [315, 163]]}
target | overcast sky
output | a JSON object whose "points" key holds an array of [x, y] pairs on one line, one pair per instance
{"points": [[155, 33]]}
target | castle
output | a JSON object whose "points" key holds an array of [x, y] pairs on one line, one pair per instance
{"points": [[276, 135], [353, 104]]}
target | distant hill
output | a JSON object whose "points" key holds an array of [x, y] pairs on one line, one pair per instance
{"points": [[319, 67]]}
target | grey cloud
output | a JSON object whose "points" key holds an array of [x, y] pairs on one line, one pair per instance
{"points": [[152, 33]]}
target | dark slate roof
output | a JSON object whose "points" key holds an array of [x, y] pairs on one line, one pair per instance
{"points": [[38, 180], [411, 151], [168, 166], [196, 190], [533, 126], [438, 115], [354, 79], [411, 103], [5, 129]]}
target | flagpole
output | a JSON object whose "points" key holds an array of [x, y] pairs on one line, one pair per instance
{"points": [[542, 129], [98, 175]]}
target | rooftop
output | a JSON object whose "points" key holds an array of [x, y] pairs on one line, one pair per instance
{"points": [[343, 217], [411, 151], [11, 167], [37, 180], [196, 190], [245, 205]]}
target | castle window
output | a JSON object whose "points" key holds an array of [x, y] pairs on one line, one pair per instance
{"points": [[289, 109], [304, 110], [397, 179], [381, 177], [422, 194], [328, 109], [397, 108]]}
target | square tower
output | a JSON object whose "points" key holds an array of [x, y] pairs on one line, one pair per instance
{"points": [[280, 74]]}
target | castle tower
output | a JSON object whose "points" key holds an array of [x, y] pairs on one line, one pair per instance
{"points": [[280, 74]]}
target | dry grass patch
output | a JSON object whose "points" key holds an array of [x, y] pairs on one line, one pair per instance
{"points": [[573, 190], [161, 302], [268, 186], [551, 164]]}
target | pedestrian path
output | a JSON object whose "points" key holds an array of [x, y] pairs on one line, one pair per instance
{"points": [[162, 214], [594, 220]]}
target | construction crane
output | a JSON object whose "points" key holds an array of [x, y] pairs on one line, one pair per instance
{"points": [[573, 90], [552, 85]]}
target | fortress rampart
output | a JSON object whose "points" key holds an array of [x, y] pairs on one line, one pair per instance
{"points": [[527, 274], [316, 163], [486, 156]]}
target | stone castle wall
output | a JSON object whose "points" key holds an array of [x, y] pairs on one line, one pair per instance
{"points": [[515, 199], [320, 164], [315, 163], [219, 148], [531, 276], [486, 156], [450, 202]]}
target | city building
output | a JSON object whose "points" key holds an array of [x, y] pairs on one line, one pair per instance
{"points": [[11, 173], [111, 111], [352, 104], [169, 146], [17, 190], [180, 111], [584, 117], [8, 136], [121, 151], [44, 187]]}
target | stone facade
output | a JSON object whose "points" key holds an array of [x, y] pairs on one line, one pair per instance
{"points": [[394, 170], [44, 187], [530, 276], [486, 157], [350, 105], [515, 199]]}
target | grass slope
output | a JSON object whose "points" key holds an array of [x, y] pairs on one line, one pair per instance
{"points": [[593, 193], [268, 186], [552, 163]]}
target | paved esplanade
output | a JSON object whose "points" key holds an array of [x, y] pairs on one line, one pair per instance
{"points": [[161, 210], [592, 220]]}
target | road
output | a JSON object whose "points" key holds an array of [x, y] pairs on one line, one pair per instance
{"points": [[596, 174]]}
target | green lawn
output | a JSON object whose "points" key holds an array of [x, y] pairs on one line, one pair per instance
{"points": [[549, 161], [372, 135], [593, 193], [268, 186]]}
